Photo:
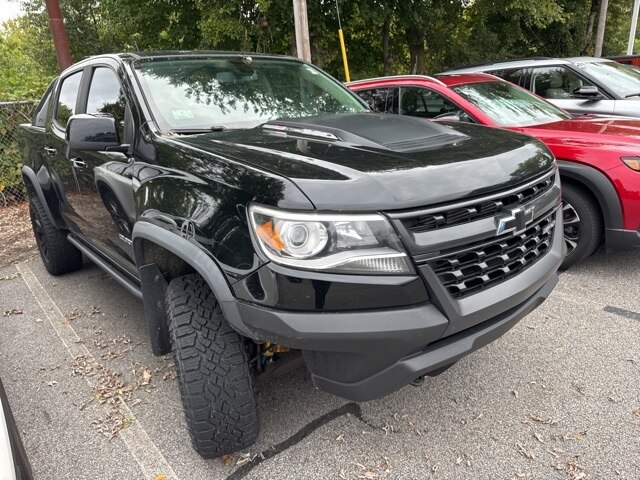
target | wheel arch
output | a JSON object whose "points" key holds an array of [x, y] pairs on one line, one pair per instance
{"points": [[34, 187], [599, 186], [162, 255]]}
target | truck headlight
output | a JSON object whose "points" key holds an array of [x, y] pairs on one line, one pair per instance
{"points": [[342, 243]]}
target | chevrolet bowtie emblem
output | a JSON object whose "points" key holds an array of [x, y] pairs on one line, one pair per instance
{"points": [[516, 221]]}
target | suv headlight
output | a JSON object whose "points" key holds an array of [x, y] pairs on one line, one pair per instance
{"points": [[329, 242]]}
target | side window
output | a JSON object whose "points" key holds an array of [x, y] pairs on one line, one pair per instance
{"points": [[422, 102], [39, 118], [556, 82], [381, 100], [513, 75], [106, 98], [67, 98]]}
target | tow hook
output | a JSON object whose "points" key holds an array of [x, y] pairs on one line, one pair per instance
{"points": [[418, 381]]}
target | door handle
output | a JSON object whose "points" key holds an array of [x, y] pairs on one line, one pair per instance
{"points": [[50, 151], [78, 163]]}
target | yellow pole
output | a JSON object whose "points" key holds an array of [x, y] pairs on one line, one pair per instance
{"points": [[344, 56], [342, 48]]}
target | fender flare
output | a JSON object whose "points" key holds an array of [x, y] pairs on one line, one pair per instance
{"points": [[600, 186], [198, 260], [28, 175]]}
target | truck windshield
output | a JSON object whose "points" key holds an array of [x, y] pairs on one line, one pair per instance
{"points": [[238, 92], [508, 105], [621, 79]]}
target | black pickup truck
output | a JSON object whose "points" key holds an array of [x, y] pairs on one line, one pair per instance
{"points": [[258, 209]]}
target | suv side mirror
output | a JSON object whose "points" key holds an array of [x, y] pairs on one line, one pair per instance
{"points": [[93, 133], [587, 92]]}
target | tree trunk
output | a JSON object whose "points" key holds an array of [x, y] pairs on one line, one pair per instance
{"points": [[588, 39], [417, 59], [602, 21], [415, 41], [386, 58]]}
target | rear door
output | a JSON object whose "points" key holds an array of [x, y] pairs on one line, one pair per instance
{"points": [[62, 172]]}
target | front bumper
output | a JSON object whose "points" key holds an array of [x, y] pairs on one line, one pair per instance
{"points": [[619, 239], [363, 355]]}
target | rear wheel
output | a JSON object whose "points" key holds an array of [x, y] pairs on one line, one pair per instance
{"points": [[58, 254], [216, 384], [582, 224]]}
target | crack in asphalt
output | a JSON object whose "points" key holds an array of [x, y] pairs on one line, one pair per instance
{"points": [[348, 408]]}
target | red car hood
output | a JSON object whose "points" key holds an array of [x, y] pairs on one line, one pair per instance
{"points": [[594, 130]]}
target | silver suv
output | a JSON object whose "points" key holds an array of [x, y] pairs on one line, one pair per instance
{"points": [[578, 85]]}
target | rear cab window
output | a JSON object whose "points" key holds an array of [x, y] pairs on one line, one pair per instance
{"points": [[67, 98], [39, 117]]}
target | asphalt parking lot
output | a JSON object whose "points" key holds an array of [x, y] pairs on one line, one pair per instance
{"points": [[558, 397]]}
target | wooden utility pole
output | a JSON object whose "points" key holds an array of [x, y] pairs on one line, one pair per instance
{"points": [[602, 21], [302, 29], [634, 26], [59, 34]]}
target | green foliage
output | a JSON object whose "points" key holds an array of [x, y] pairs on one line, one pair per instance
{"points": [[382, 36], [11, 115], [21, 76]]}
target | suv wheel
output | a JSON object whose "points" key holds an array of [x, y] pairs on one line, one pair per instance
{"points": [[216, 384], [58, 254], [582, 224]]}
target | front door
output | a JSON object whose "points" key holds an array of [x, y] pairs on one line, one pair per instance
{"points": [[557, 84], [105, 178]]}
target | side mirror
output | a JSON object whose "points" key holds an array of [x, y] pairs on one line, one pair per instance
{"points": [[587, 92], [455, 116], [93, 133]]}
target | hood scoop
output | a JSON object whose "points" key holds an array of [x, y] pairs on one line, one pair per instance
{"points": [[391, 132]]}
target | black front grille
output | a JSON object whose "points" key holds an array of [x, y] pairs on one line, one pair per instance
{"points": [[482, 264], [483, 209]]}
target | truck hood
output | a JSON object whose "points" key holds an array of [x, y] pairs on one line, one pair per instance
{"points": [[381, 162]]}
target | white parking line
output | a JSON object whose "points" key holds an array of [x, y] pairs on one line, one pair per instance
{"points": [[136, 439]]}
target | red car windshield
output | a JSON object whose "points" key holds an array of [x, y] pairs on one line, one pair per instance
{"points": [[508, 105]]}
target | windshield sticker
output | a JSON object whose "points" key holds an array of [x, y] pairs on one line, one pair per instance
{"points": [[182, 114]]}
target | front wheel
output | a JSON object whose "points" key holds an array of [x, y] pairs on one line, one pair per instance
{"points": [[582, 224], [216, 384]]}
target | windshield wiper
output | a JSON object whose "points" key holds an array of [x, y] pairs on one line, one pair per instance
{"points": [[632, 95], [194, 131]]}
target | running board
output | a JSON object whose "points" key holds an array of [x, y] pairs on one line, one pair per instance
{"points": [[117, 276]]}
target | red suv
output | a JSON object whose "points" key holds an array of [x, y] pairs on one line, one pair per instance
{"points": [[599, 157]]}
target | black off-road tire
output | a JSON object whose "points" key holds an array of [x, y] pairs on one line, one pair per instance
{"points": [[216, 384], [583, 227], [58, 254]]}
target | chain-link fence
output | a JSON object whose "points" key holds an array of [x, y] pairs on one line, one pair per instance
{"points": [[12, 114]]}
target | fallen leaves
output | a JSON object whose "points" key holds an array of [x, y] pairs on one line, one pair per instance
{"points": [[368, 472], [10, 277], [522, 450], [73, 315], [81, 366], [145, 377], [578, 387], [543, 420]]}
